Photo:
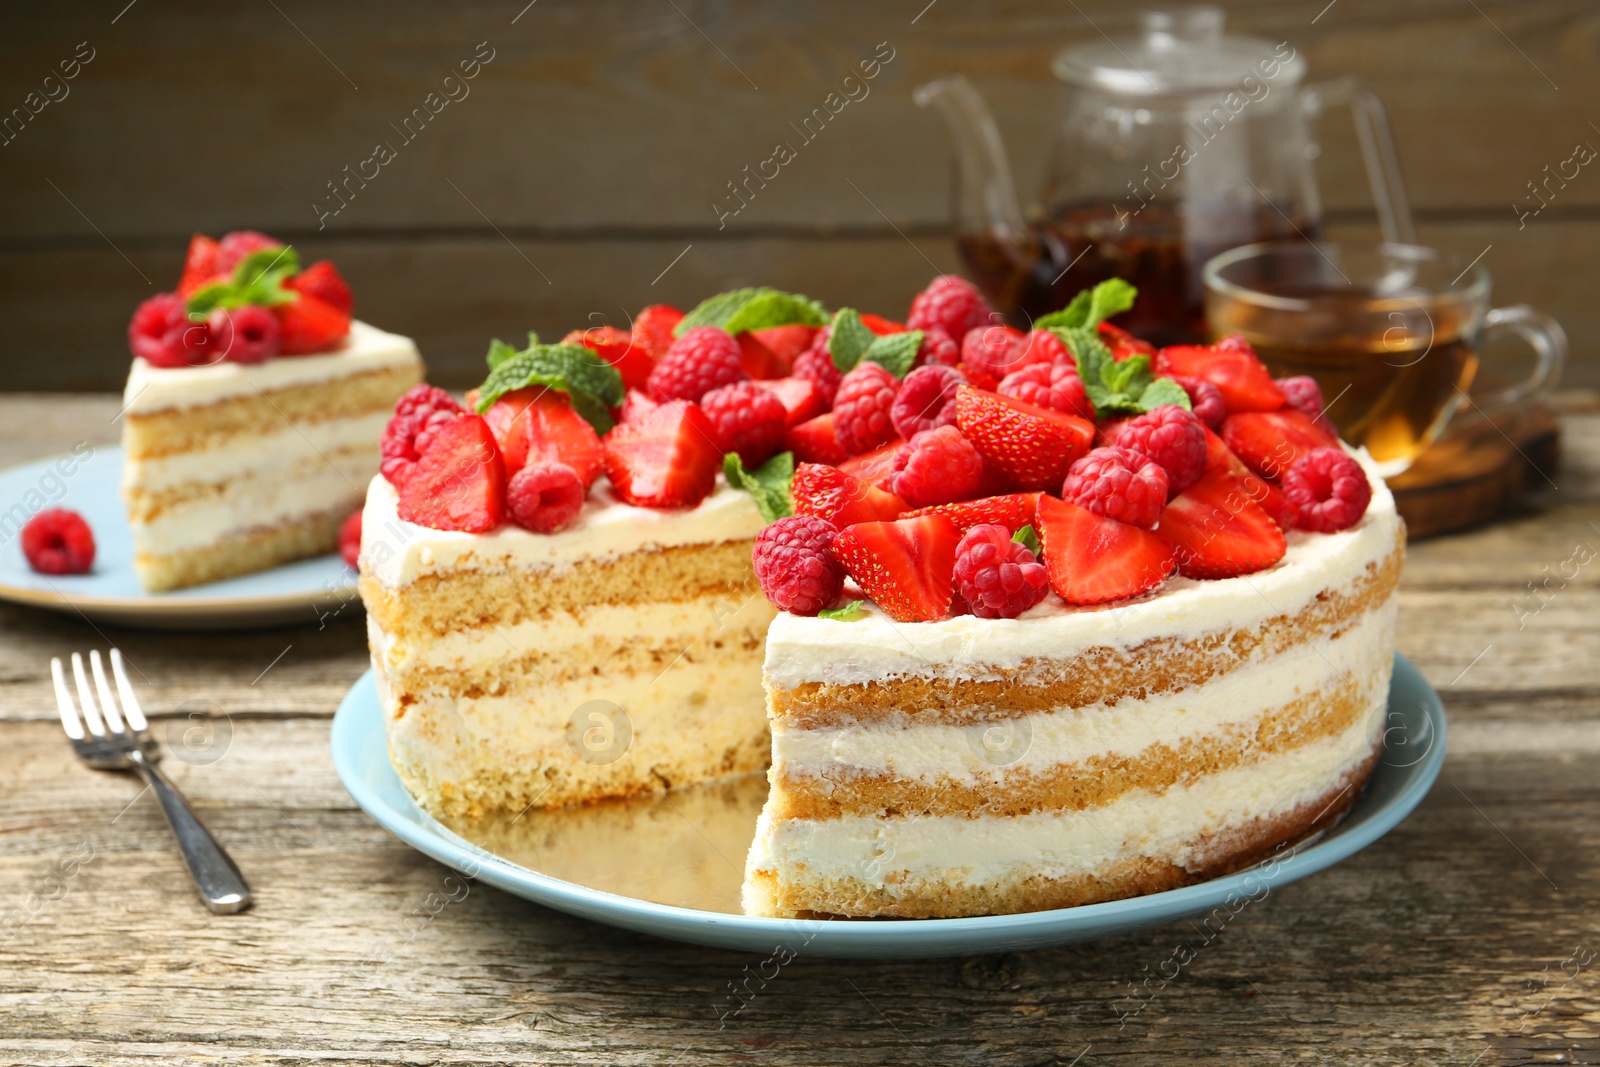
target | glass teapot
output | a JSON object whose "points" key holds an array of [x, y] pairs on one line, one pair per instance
{"points": [[1172, 147]]}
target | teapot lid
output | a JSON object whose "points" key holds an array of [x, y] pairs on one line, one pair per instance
{"points": [[1178, 50]]}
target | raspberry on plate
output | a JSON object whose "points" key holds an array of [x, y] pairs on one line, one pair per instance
{"points": [[459, 482], [423, 407], [1050, 385], [1205, 400], [1119, 484], [924, 400], [58, 541], [696, 363], [350, 539], [794, 562], [950, 303], [748, 420], [861, 408], [1328, 489], [1172, 437], [816, 363], [936, 466], [999, 578], [545, 497]]}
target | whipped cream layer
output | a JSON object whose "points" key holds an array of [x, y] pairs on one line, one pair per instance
{"points": [[257, 503], [275, 451], [368, 348]]}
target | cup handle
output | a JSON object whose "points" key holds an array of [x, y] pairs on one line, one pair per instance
{"points": [[1548, 341], [1377, 151]]}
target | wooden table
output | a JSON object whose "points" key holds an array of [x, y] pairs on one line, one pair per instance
{"points": [[1467, 936]]}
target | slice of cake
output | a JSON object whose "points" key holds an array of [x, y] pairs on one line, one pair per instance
{"points": [[252, 413]]}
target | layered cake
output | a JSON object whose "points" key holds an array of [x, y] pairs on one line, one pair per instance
{"points": [[252, 413]]}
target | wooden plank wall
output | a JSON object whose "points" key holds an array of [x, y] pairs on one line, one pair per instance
{"points": [[586, 155]]}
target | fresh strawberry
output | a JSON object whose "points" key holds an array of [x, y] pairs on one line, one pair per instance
{"points": [[323, 281], [199, 266], [1093, 559], [786, 342], [1230, 365], [800, 397], [538, 425], [1031, 445], [880, 325], [310, 325], [1219, 457], [636, 404], [813, 442], [1122, 343], [907, 567], [875, 466], [841, 498], [1218, 532], [1013, 511], [1270, 441], [758, 360], [459, 483], [666, 459], [653, 326], [618, 348]]}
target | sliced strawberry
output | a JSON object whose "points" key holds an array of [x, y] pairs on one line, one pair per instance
{"points": [[1270, 441], [880, 325], [310, 325], [323, 281], [636, 404], [800, 397], [653, 326], [757, 359], [873, 467], [1032, 446], [618, 348], [459, 481], [1230, 365], [813, 441], [536, 425], [199, 266], [786, 342], [842, 499], [1122, 343], [668, 458], [1218, 532], [1013, 511], [907, 567], [1269, 497], [1093, 559]]}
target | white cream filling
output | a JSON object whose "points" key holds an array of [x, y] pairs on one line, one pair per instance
{"points": [[251, 504], [275, 451]]}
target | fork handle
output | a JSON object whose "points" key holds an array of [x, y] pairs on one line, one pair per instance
{"points": [[215, 875]]}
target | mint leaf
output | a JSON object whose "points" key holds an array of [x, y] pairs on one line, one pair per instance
{"points": [[768, 483], [592, 384], [1076, 313], [843, 613], [752, 309], [1125, 388], [533, 338], [1092, 306], [499, 352], [848, 339], [265, 263], [1130, 376], [257, 279], [1164, 391], [1028, 538], [895, 352]]}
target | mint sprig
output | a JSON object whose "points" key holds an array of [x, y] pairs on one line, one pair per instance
{"points": [[257, 279], [1027, 538], [1125, 388], [850, 341], [752, 309], [591, 384], [842, 613], [768, 483], [1092, 306]]}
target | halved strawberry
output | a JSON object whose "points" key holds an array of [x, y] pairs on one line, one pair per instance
{"points": [[1218, 532], [199, 265], [1270, 441], [1266, 495], [636, 404], [667, 458], [800, 397], [323, 281], [618, 348], [1013, 511], [757, 359], [1032, 446], [1230, 365], [812, 441], [873, 467], [907, 567], [1092, 559], [1122, 343], [652, 328], [786, 342], [536, 424], [310, 325], [880, 325], [459, 481], [842, 499]]}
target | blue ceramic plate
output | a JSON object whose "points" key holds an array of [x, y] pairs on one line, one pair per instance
{"points": [[662, 865], [297, 592]]}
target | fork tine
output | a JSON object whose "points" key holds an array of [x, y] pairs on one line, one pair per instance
{"points": [[69, 711], [108, 703], [91, 711], [130, 703]]}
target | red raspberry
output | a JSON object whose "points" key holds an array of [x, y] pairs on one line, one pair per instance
{"points": [[248, 334], [938, 349], [1328, 489], [350, 539], [545, 497], [989, 353], [151, 325], [795, 564], [1119, 484], [1172, 437], [816, 363], [58, 541], [1303, 394], [1045, 347], [237, 245], [748, 420], [697, 363], [999, 577], [951, 303], [1050, 385], [924, 400], [421, 409], [1205, 400], [936, 467], [861, 420]]}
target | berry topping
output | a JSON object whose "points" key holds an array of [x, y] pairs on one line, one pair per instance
{"points": [[1169, 435], [924, 400], [1092, 559], [157, 331], [1328, 490], [423, 407], [1013, 512], [1119, 484], [350, 540], [1218, 532], [1045, 347], [1122, 343], [861, 408], [938, 348], [248, 334], [696, 363], [459, 482], [237, 245], [989, 353], [58, 541], [1303, 394], [311, 325], [1205, 400], [1268, 497], [950, 303], [876, 466], [323, 281], [538, 425], [816, 364], [813, 441], [1230, 365], [635, 404], [795, 564], [1032, 446], [757, 359], [936, 467], [800, 397], [1049, 385], [842, 499], [668, 458], [652, 328], [880, 325], [199, 265], [618, 348], [907, 567], [998, 577], [786, 342], [748, 420], [1270, 441], [545, 497]]}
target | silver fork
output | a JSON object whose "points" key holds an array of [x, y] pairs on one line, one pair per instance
{"points": [[118, 740]]}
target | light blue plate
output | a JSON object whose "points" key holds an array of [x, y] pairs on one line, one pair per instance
{"points": [[304, 591], [568, 840]]}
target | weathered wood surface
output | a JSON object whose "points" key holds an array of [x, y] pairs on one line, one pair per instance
{"points": [[598, 137], [1467, 936]]}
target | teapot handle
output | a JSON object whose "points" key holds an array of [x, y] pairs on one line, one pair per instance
{"points": [[1377, 150]]}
